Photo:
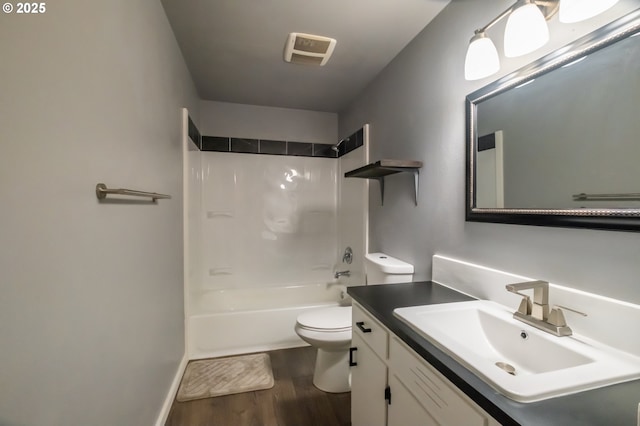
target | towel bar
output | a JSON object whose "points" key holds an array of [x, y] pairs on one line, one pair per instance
{"points": [[602, 197], [102, 191]]}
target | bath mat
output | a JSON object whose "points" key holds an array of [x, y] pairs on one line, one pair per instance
{"points": [[225, 376]]}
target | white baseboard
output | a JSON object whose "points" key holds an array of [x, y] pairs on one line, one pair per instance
{"points": [[168, 402]]}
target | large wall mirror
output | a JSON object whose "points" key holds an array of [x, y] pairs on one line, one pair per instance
{"points": [[557, 143]]}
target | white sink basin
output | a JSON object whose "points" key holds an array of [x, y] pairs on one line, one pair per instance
{"points": [[484, 337]]}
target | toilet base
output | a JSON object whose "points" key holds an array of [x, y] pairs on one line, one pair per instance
{"points": [[332, 373]]}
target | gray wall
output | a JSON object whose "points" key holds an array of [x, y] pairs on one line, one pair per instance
{"points": [[416, 110], [91, 304], [261, 122]]}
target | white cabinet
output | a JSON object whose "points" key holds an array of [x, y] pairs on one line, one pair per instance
{"points": [[444, 402], [418, 393], [368, 382], [405, 409], [369, 349], [371, 331]]}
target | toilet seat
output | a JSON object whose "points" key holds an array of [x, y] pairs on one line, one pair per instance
{"points": [[333, 320]]}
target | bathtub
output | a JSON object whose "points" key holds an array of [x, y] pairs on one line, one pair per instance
{"points": [[234, 321]]}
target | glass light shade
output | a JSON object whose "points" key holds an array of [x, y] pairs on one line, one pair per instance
{"points": [[579, 10], [526, 30], [482, 58]]}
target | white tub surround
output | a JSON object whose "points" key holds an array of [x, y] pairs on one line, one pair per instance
{"points": [[258, 299], [263, 237], [266, 221], [353, 211]]}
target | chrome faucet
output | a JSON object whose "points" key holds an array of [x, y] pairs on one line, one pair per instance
{"points": [[339, 274], [537, 314]]}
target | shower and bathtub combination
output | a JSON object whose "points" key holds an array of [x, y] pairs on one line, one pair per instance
{"points": [[265, 236]]}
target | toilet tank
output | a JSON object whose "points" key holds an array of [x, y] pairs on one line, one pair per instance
{"points": [[381, 268]]}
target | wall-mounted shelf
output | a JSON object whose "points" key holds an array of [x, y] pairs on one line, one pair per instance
{"points": [[382, 168]]}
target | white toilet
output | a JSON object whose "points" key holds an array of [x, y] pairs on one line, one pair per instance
{"points": [[329, 329], [381, 268]]}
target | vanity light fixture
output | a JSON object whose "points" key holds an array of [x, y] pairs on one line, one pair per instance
{"points": [[482, 57], [578, 10], [526, 30]]}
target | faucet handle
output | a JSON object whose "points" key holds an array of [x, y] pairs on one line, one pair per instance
{"points": [[347, 257], [525, 307], [556, 316]]}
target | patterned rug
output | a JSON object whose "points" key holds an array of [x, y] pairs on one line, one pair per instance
{"points": [[225, 376]]}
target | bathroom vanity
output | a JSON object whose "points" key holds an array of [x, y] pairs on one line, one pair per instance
{"points": [[400, 378], [420, 393]]}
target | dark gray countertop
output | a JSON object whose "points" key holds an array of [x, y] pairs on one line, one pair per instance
{"points": [[610, 405]]}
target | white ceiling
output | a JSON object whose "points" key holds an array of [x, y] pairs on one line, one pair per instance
{"points": [[234, 48]]}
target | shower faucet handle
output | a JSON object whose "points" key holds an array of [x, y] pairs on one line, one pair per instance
{"points": [[347, 257]]}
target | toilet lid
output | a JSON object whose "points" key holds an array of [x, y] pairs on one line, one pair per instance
{"points": [[337, 318]]}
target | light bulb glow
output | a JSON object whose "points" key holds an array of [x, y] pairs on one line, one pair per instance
{"points": [[482, 58], [579, 10], [526, 30]]}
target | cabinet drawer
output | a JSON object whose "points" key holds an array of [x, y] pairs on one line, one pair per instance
{"points": [[371, 331], [437, 395]]}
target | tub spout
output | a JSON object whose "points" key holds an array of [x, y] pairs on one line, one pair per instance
{"points": [[339, 274]]}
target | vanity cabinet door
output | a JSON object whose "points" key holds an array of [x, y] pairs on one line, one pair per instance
{"points": [[368, 383], [444, 402], [405, 410]]}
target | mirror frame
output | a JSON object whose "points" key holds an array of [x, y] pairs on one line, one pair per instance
{"points": [[621, 219]]}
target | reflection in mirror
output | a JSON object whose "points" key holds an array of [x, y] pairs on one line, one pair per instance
{"points": [[490, 170], [561, 137], [571, 131]]}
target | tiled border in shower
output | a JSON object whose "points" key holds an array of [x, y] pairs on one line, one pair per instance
{"points": [[274, 147], [266, 146], [194, 134]]}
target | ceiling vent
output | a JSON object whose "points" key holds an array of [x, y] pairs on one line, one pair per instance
{"points": [[308, 49]]}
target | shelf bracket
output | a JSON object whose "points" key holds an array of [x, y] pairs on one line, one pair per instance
{"points": [[381, 182], [382, 168], [416, 181]]}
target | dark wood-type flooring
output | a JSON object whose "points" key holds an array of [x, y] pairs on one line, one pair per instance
{"points": [[293, 400]]}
